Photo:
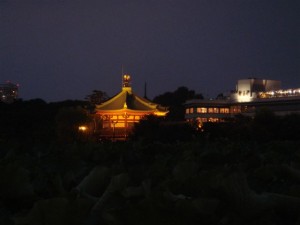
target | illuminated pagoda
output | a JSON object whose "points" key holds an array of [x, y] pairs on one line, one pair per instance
{"points": [[119, 113]]}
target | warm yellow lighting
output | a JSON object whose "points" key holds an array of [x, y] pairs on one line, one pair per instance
{"points": [[126, 77], [202, 110], [120, 124], [82, 128], [160, 113], [246, 98], [280, 93]]}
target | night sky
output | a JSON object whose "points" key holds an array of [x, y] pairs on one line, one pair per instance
{"points": [[64, 49]]}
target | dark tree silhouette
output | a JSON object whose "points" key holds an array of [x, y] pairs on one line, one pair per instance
{"points": [[175, 100], [156, 129], [97, 97], [32, 120], [68, 121]]}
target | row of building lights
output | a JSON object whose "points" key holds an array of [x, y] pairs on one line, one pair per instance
{"points": [[280, 93]]}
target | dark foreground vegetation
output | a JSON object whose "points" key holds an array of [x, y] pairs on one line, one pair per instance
{"points": [[242, 172]]}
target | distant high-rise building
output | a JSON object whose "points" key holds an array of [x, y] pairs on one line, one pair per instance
{"points": [[8, 92]]}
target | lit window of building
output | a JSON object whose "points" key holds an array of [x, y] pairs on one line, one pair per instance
{"points": [[250, 95], [213, 120], [213, 110], [224, 110], [204, 120], [202, 110], [236, 109]]}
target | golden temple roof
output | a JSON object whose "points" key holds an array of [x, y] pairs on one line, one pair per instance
{"points": [[128, 100]]}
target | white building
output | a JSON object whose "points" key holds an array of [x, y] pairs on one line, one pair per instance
{"points": [[250, 95], [249, 89]]}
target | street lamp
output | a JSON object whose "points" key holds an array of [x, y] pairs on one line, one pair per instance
{"points": [[82, 128], [83, 132]]}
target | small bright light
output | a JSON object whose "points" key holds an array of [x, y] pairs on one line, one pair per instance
{"points": [[82, 128], [126, 77]]}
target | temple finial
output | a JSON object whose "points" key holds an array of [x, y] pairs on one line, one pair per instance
{"points": [[145, 91], [126, 81]]}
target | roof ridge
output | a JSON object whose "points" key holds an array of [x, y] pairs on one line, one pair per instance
{"points": [[112, 99], [146, 103]]}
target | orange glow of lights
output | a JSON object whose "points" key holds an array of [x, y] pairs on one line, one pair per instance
{"points": [[82, 128]]}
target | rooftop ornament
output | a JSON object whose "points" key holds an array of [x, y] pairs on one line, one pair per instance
{"points": [[126, 80]]}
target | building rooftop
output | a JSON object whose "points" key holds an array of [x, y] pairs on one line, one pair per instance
{"points": [[128, 100]]}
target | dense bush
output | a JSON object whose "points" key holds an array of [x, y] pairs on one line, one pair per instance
{"points": [[137, 183], [264, 127], [246, 172]]}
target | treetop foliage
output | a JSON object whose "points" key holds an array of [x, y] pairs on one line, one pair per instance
{"points": [[97, 97], [175, 100]]}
